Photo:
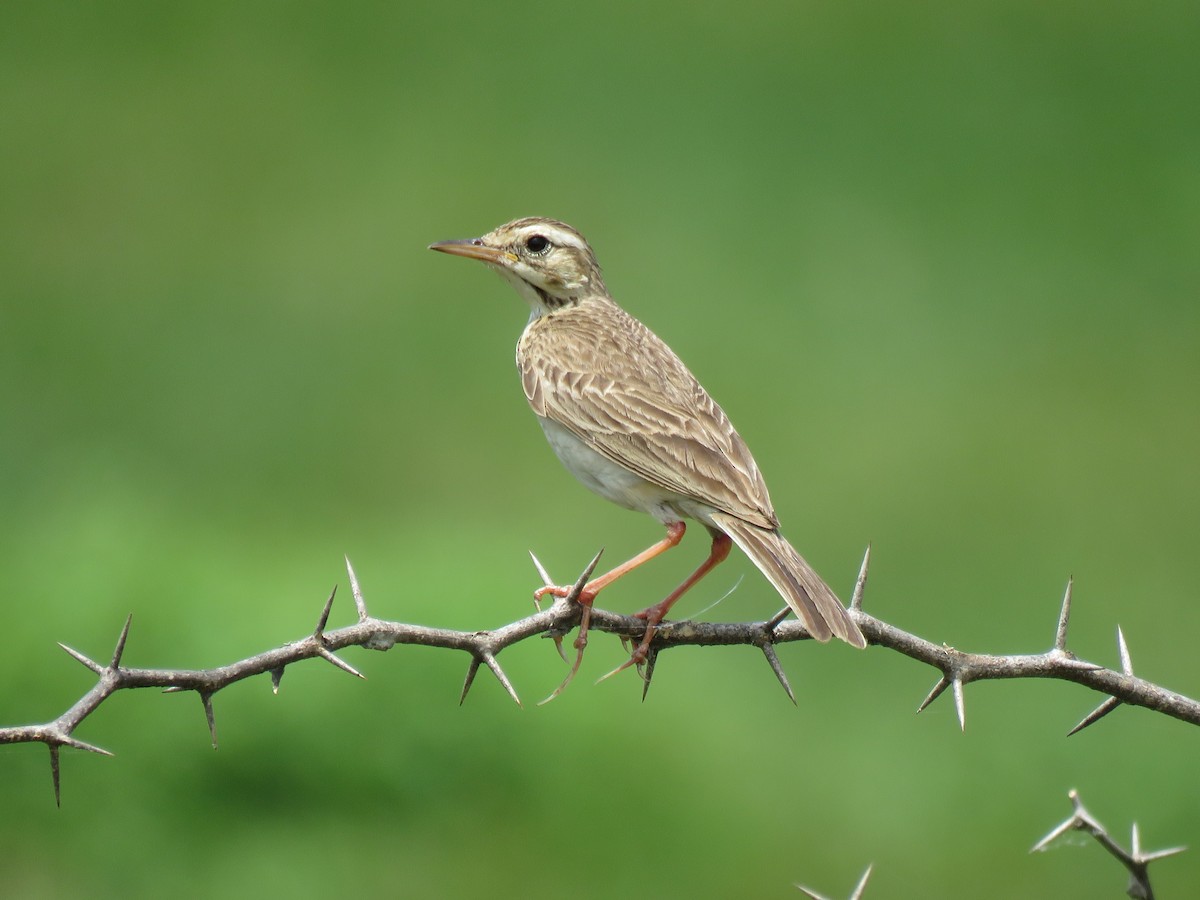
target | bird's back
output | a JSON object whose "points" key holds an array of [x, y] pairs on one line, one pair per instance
{"points": [[606, 377]]}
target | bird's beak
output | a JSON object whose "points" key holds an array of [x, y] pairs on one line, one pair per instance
{"points": [[475, 248]]}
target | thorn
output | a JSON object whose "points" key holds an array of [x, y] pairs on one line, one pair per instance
{"points": [[1095, 715], [492, 664], [470, 679], [1054, 834], [860, 585], [1126, 662], [856, 895], [54, 774], [942, 684], [772, 623], [1162, 854], [773, 661], [862, 883], [579, 585], [960, 704], [647, 671], [276, 677], [77, 744], [324, 620], [547, 581], [120, 648], [1069, 662], [340, 663], [359, 602], [206, 699], [76, 655], [1110, 703], [54, 744], [1064, 618]]}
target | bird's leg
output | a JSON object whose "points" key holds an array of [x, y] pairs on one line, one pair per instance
{"points": [[721, 544], [675, 532], [596, 585]]}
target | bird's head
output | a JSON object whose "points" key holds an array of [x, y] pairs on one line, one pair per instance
{"points": [[548, 262]]}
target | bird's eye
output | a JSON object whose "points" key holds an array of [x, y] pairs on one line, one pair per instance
{"points": [[537, 243]]}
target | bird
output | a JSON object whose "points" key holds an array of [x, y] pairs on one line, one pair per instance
{"points": [[631, 422]]}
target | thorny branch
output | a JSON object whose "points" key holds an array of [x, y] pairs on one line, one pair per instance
{"points": [[1134, 860], [957, 668]]}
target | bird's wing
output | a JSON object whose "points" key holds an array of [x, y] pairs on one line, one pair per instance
{"points": [[608, 379]]}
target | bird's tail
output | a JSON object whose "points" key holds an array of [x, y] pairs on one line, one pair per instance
{"points": [[809, 597]]}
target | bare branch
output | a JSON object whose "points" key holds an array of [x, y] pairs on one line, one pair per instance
{"points": [[1134, 860], [957, 668]]}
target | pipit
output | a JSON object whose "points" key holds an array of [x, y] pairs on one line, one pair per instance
{"points": [[628, 419]]}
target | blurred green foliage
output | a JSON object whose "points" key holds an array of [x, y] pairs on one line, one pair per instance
{"points": [[939, 261]]}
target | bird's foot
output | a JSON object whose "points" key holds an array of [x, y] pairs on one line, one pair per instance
{"points": [[584, 595], [580, 645], [653, 616]]}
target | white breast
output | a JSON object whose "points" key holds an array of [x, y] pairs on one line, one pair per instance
{"points": [[616, 483]]}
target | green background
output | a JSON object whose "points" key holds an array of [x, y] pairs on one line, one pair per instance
{"points": [[940, 263]]}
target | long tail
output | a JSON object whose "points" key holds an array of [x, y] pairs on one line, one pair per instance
{"points": [[809, 597]]}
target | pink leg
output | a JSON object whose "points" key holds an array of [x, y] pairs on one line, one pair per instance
{"points": [[654, 614], [675, 532]]}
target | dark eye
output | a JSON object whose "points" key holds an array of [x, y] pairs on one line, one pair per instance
{"points": [[537, 243]]}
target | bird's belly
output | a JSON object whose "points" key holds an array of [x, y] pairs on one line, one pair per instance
{"points": [[612, 481]]}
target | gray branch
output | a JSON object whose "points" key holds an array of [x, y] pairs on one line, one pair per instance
{"points": [[957, 668], [1135, 861]]}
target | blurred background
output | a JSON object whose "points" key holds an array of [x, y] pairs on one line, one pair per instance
{"points": [[939, 263]]}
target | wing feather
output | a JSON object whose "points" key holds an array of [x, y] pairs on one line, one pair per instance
{"points": [[607, 378]]}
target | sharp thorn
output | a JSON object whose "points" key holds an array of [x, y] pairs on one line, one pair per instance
{"points": [[647, 670], [469, 680], [206, 699], [1064, 618], [1057, 832], [773, 661], [541, 570], [960, 704], [942, 684], [772, 623], [862, 883], [360, 602], [1095, 715], [490, 661], [1161, 854], [579, 585], [77, 744], [324, 619], [1126, 662], [339, 662], [1069, 662], [276, 677], [119, 650], [79, 657], [856, 599], [54, 774]]}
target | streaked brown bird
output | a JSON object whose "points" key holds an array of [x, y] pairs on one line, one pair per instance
{"points": [[628, 419]]}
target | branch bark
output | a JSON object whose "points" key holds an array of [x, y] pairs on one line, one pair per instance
{"points": [[957, 668]]}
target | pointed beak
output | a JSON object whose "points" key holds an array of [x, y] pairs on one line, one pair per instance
{"points": [[475, 248]]}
